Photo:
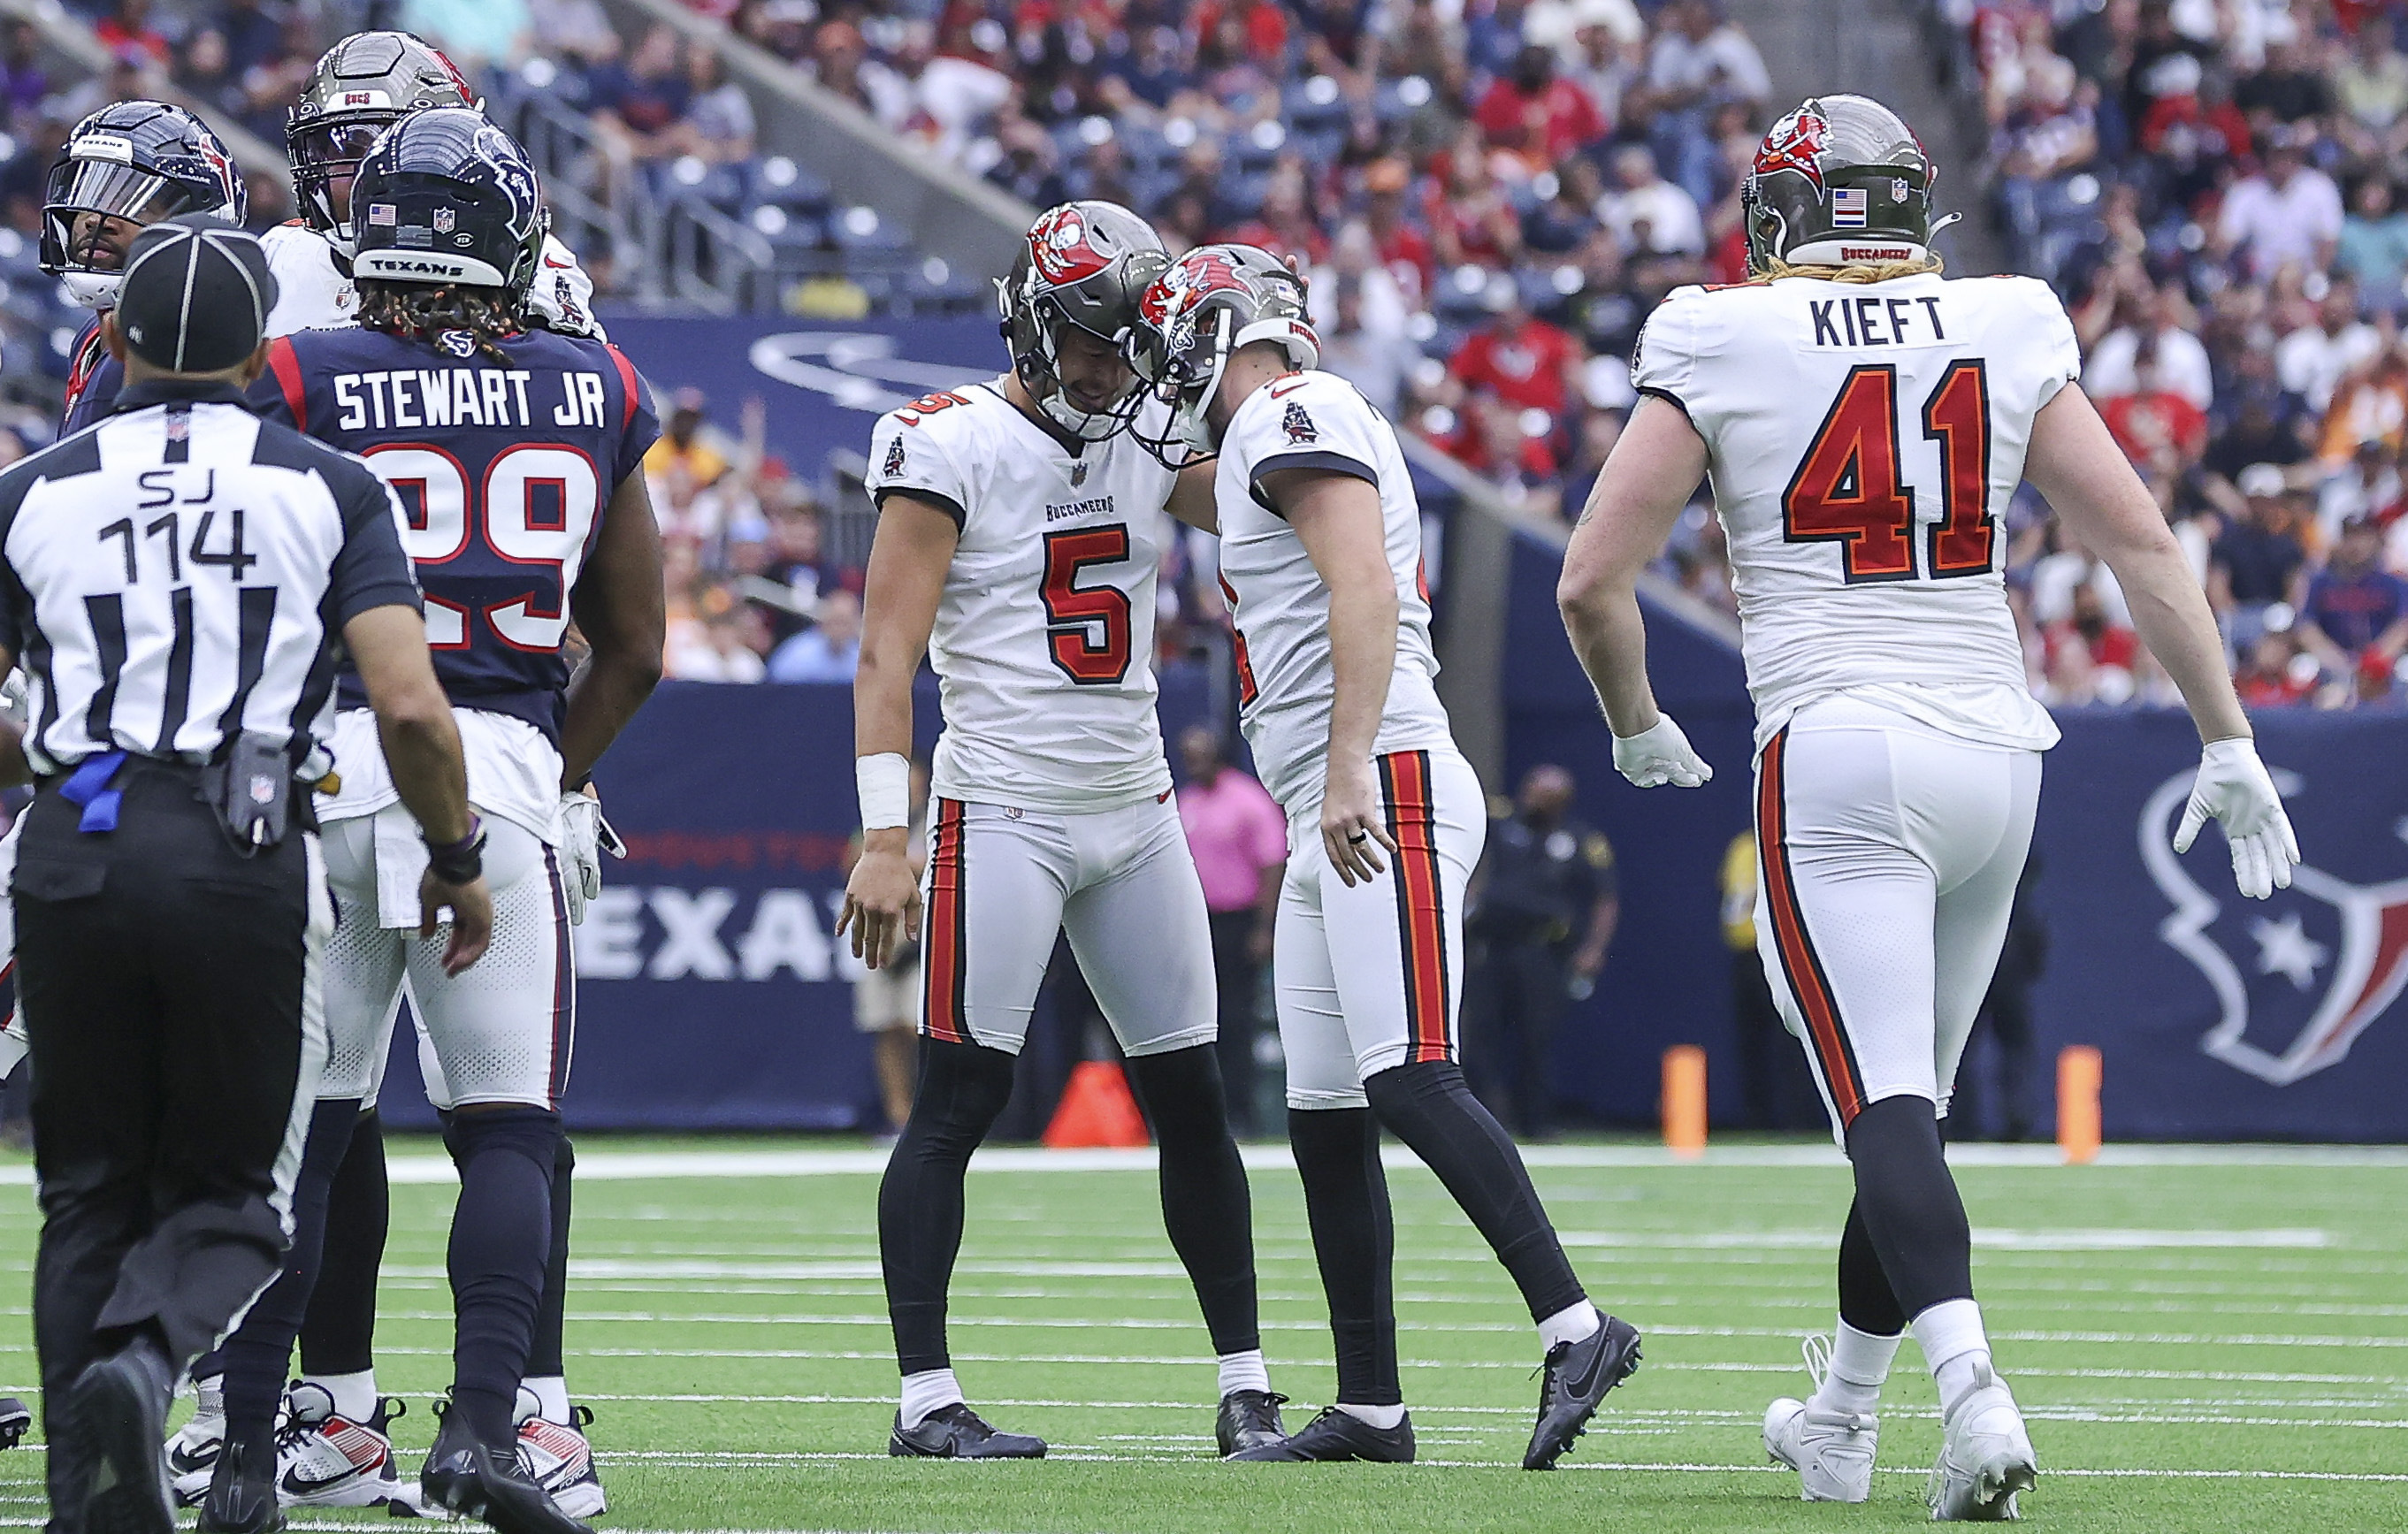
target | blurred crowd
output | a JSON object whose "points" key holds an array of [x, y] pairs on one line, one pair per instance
{"points": [[1489, 196], [2215, 187]]}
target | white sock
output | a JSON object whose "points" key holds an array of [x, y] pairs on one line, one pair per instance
{"points": [[1574, 1322], [928, 1391], [1244, 1372], [1955, 1347], [1378, 1416], [1860, 1363], [355, 1395], [550, 1398], [209, 1397]]}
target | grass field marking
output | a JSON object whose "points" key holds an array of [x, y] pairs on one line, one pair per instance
{"points": [[1142, 1324], [601, 1165]]}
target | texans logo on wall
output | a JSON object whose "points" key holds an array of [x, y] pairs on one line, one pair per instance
{"points": [[2297, 977]]}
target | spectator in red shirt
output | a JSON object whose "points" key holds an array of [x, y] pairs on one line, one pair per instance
{"points": [[1492, 439], [1240, 842], [1264, 23], [1519, 357], [127, 28], [2264, 680], [1536, 115], [2158, 429], [1404, 250], [1470, 217]]}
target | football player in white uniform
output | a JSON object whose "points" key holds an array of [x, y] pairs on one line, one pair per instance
{"points": [[1864, 422], [1019, 533], [1321, 559], [359, 88], [337, 1452]]}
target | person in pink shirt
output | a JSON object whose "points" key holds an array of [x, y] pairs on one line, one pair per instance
{"points": [[1239, 839]]}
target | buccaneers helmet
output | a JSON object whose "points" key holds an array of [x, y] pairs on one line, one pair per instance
{"points": [[1842, 180], [1083, 264], [1214, 300], [360, 87]]}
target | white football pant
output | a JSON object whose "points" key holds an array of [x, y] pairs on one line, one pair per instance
{"points": [[1002, 882], [502, 1031], [1369, 976], [1887, 858]]}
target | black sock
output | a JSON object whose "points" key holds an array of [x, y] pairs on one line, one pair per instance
{"points": [[500, 1233], [1355, 1241], [256, 1358], [1428, 1106], [1866, 1301], [544, 1360], [338, 1334], [1206, 1205], [962, 1088], [1913, 1216]]}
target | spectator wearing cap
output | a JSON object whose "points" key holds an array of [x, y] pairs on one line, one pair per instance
{"points": [[1518, 357], [1648, 214], [2286, 214], [2365, 486], [2355, 610], [2313, 360], [2257, 563]]}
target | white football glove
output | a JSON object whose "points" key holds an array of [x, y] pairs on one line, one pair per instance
{"points": [[2233, 787], [584, 837], [1660, 755]]}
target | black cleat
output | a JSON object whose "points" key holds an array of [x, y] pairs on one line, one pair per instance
{"points": [[1250, 1419], [121, 1413], [1338, 1434], [1578, 1376], [241, 1498], [14, 1421], [486, 1482], [957, 1432]]}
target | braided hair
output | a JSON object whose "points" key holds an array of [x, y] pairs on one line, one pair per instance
{"points": [[419, 312]]}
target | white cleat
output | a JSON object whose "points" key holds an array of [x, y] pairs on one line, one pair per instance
{"points": [[192, 1449], [326, 1460], [1832, 1452], [1986, 1457], [556, 1456]]}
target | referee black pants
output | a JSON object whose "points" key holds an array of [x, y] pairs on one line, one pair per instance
{"points": [[170, 994]]}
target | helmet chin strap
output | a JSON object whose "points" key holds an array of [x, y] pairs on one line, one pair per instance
{"points": [[1189, 417]]}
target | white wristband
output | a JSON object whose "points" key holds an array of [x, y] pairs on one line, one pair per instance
{"points": [[885, 783]]}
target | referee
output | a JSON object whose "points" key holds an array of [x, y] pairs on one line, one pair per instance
{"points": [[176, 579]]}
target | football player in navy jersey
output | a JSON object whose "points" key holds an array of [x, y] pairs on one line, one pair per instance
{"points": [[126, 165], [516, 455]]}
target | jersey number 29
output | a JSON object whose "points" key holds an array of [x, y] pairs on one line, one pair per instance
{"points": [[537, 507], [1850, 488]]}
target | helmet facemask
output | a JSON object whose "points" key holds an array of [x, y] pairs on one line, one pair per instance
{"points": [[324, 153], [1036, 325], [1181, 369]]}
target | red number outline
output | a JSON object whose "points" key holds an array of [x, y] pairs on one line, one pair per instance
{"points": [[1964, 541], [1072, 611], [1858, 441]]}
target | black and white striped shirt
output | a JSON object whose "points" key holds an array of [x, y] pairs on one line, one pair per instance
{"points": [[180, 573]]}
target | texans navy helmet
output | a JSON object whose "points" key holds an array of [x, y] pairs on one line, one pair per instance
{"points": [[444, 199], [136, 162]]}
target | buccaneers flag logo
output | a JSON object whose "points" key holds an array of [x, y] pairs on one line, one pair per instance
{"points": [[1795, 143], [1198, 273]]}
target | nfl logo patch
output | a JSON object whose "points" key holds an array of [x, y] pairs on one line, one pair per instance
{"points": [[1848, 207], [1898, 189], [1078, 472], [384, 214], [443, 218]]}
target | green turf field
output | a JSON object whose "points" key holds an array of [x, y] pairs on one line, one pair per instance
{"points": [[2220, 1342]]}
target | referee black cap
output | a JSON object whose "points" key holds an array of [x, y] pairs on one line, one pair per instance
{"points": [[196, 295]]}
